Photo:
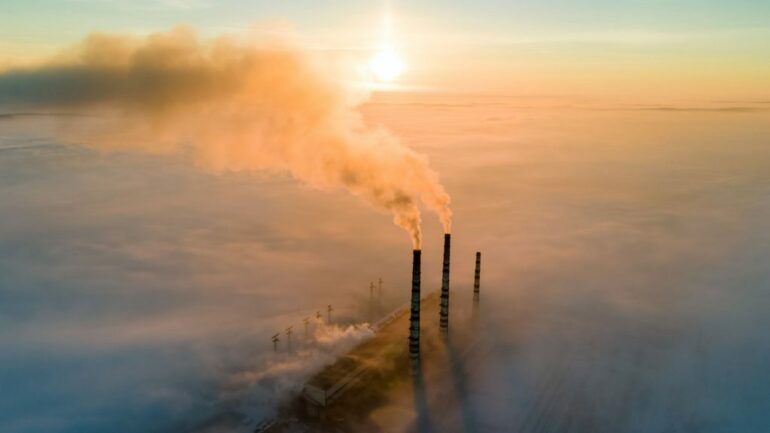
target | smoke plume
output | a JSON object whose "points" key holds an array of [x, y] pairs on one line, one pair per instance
{"points": [[256, 391], [232, 104]]}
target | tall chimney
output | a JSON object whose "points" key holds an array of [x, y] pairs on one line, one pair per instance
{"points": [[414, 317], [444, 322], [477, 276]]}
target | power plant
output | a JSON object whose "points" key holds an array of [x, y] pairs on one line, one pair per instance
{"points": [[342, 394], [416, 297], [357, 378]]}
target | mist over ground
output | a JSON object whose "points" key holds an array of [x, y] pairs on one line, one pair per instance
{"points": [[625, 269]]}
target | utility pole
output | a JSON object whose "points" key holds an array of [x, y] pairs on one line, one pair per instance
{"points": [[306, 320], [288, 336], [275, 343], [371, 301]]}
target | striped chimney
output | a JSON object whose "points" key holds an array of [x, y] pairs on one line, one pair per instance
{"points": [[414, 317], [477, 275], [444, 319]]}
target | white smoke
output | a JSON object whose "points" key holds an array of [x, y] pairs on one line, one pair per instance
{"points": [[255, 392]]}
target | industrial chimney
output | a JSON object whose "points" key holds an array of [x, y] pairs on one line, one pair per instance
{"points": [[444, 319], [477, 276], [414, 317]]}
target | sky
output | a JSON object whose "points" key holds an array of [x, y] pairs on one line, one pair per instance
{"points": [[661, 50], [169, 203]]}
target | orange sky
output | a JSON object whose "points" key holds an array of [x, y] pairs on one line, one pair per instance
{"points": [[627, 52]]}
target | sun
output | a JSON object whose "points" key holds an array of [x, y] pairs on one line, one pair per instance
{"points": [[386, 65]]}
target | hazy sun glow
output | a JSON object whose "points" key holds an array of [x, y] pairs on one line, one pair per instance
{"points": [[386, 65]]}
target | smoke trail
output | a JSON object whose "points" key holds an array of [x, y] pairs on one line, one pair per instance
{"points": [[234, 105]]}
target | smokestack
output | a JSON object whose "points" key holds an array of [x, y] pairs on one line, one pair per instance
{"points": [[444, 322], [477, 276], [414, 317]]}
